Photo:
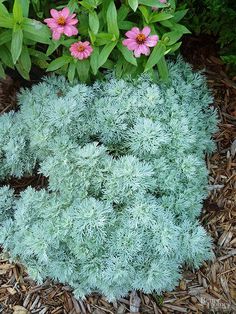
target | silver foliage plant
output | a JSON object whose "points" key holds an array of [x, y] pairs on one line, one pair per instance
{"points": [[126, 170]]}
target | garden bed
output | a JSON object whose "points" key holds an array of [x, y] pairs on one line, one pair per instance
{"points": [[214, 285]]}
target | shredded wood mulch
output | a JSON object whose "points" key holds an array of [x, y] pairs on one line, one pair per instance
{"points": [[211, 289]]}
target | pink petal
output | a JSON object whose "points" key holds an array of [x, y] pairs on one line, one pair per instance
{"points": [[80, 55], [86, 43], [125, 42], [133, 32], [74, 54], [72, 51], [151, 41], [56, 34], [59, 29], [51, 23], [86, 54], [90, 50], [146, 31], [54, 13], [68, 31], [65, 12], [137, 52], [144, 50], [131, 44], [74, 30], [70, 21]]}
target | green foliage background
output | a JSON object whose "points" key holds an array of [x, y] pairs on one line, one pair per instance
{"points": [[216, 17], [26, 40]]}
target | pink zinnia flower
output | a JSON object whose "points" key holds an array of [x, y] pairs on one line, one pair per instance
{"points": [[81, 50], [62, 22], [140, 41]]}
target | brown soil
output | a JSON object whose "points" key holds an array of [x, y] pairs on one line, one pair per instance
{"points": [[211, 289]]}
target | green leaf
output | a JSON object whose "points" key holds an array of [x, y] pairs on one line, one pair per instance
{"points": [[66, 42], [2, 72], [38, 54], [172, 4], [6, 57], [107, 49], [122, 13], [22, 71], [88, 4], [25, 7], [145, 13], [168, 23], [94, 22], [36, 31], [25, 59], [181, 28], [6, 21], [163, 70], [3, 11], [52, 47], [83, 70], [178, 15], [153, 3], [231, 59], [73, 5], [175, 47], [16, 44], [112, 24], [103, 38], [108, 65], [127, 54], [171, 38], [157, 17], [126, 25], [84, 24], [157, 53], [94, 60], [119, 67], [24, 63], [133, 4], [92, 37], [71, 72], [40, 63], [58, 63], [5, 36], [17, 11], [175, 26]]}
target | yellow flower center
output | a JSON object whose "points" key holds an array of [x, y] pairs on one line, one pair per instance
{"points": [[80, 48], [61, 21], [140, 39]]}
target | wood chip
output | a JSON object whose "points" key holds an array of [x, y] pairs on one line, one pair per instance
{"points": [[17, 309], [134, 302]]}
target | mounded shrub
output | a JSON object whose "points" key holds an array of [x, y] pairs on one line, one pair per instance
{"points": [[126, 171]]}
